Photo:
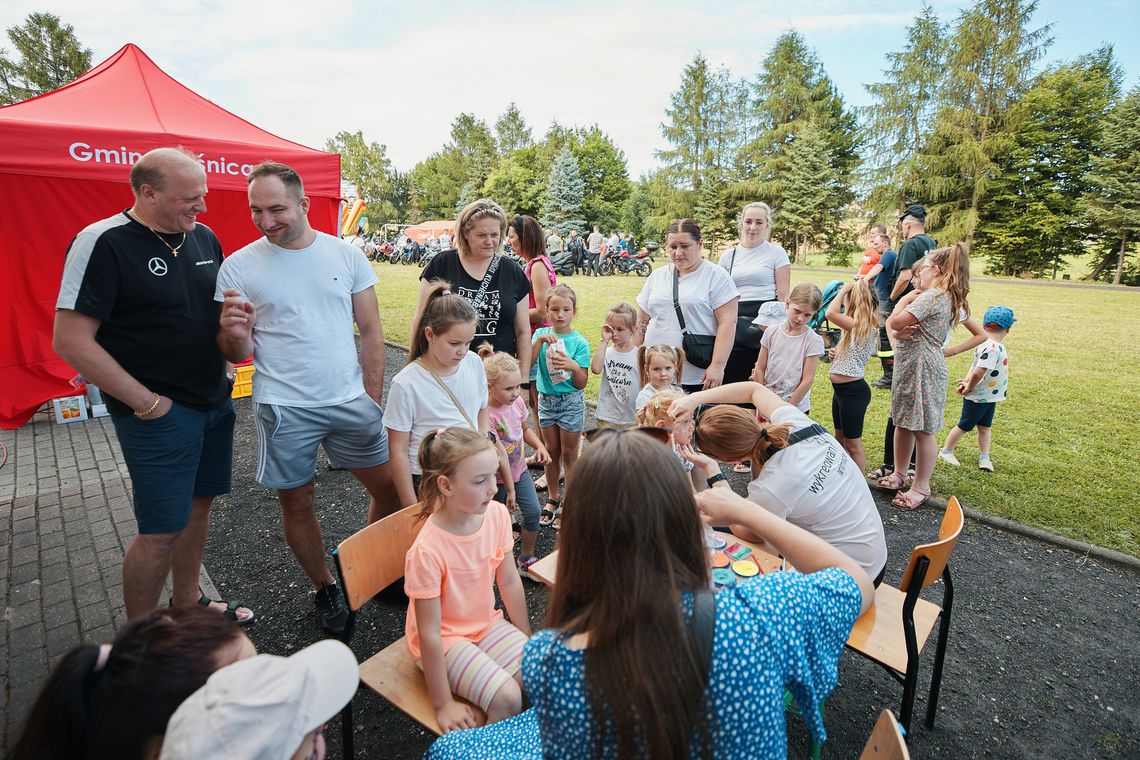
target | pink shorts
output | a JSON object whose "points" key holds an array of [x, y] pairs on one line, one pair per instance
{"points": [[476, 671]]}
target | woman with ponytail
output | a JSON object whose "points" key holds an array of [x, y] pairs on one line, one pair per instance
{"points": [[918, 400], [799, 471]]}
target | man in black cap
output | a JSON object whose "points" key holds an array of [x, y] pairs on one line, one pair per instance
{"points": [[912, 229]]}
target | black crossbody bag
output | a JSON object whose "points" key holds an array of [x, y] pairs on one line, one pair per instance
{"points": [[698, 348], [748, 334]]}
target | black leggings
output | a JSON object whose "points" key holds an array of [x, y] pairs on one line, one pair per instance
{"points": [[849, 406], [889, 447], [742, 360]]}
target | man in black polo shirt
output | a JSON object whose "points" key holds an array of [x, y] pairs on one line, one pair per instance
{"points": [[136, 315]]}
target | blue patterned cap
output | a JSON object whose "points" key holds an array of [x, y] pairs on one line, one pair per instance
{"points": [[1001, 316]]}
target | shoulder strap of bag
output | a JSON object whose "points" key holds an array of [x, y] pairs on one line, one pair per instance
{"points": [[454, 400], [800, 435], [677, 299], [477, 301], [732, 262], [702, 628]]}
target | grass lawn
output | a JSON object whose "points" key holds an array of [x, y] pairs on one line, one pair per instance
{"points": [[1065, 441]]}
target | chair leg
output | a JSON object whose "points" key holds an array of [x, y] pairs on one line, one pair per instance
{"points": [[940, 653], [346, 731]]}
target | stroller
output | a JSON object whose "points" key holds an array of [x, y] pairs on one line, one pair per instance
{"points": [[819, 323]]}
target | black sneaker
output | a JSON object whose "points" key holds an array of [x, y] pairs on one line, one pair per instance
{"points": [[884, 382], [331, 609]]}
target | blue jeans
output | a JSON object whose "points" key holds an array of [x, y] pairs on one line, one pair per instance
{"points": [[527, 499]]}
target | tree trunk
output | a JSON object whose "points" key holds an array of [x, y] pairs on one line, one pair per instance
{"points": [[1104, 262], [1120, 260]]}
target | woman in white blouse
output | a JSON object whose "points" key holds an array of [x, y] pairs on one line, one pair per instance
{"points": [[762, 273], [707, 301]]}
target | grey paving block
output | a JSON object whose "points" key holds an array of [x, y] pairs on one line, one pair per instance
{"points": [[94, 616], [61, 613], [27, 640], [23, 614], [57, 573], [89, 593], [54, 593]]}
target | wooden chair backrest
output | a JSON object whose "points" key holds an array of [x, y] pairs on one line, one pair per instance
{"points": [[373, 557], [937, 553], [886, 742]]}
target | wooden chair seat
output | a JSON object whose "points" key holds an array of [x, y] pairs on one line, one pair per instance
{"points": [[878, 633], [394, 675]]}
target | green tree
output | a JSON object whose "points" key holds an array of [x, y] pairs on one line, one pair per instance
{"points": [[605, 177], [517, 184], [989, 64], [715, 214], [475, 146], [511, 131], [436, 182], [50, 56], [687, 127], [807, 212], [1113, 202], [636, 210], [667, 204], [401, 197], [366, 165], [563, 208], [896, 124], [793, 90], [1030, 219]]}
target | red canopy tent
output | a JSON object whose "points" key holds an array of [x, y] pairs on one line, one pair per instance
{"points": [[425, 231], [65, 160]]}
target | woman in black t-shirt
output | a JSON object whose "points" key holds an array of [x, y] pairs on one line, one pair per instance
{"points": [[491, 282]]}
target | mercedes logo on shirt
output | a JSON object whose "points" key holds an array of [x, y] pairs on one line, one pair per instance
{"points": [[157, 266]]}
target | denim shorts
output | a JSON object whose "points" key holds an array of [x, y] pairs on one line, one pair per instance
{"points": [[351, 433], [566, 410], [527, 499], [183, 454], [974, 414]]}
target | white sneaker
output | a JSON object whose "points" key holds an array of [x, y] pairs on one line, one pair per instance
{"points": [[948, 457], [986, 464]]}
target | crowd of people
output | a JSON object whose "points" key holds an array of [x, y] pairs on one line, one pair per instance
{"points": [[712, 364]]}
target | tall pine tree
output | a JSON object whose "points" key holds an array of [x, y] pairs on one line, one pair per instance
{"points": [[807, 213], [1113, 203], [563, 209], [688, 127], [50, 57], [989, 65]]}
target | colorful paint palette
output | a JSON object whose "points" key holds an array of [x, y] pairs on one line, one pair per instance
{"points": [[720, 560], [745, 568], [737, 551], [722, 576]]}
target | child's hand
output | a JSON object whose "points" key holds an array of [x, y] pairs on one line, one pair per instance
{"points": [[510, 502], [546, 338], [455, 715], [907, 333], [560, 360], [541, 455], [682, 409], [962, 390], [706, 463], [831, 354], [607, 333]]}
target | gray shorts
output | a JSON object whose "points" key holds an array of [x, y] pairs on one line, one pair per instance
{"points": [[351, 433]]}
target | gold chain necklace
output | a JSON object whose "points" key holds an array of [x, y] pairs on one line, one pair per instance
{"points": [[173, 248]]}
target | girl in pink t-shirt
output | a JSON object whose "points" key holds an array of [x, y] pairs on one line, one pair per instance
{"points": [[461, 640], [508, 422]]}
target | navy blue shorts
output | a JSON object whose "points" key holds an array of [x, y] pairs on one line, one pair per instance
{"points": [[183, 454], [974, 413]]}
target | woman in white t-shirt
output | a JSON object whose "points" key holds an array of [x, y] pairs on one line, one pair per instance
{"points": [[800, 472], [761, 271], [707, 297], [443, 385]]}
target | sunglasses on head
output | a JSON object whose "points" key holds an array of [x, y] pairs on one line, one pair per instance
{"points": [[661, 435]]}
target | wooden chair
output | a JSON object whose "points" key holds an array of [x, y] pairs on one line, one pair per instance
{"points": [[887, 741], [895, 629], [367, 562]]}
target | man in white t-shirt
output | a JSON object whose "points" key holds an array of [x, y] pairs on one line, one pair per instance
{"points": [[290, 299]]}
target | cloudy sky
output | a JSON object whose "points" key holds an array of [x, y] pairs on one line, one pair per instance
{"points": [[401, 71]]}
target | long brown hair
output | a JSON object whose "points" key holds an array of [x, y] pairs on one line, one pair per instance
{"points": [[954, 261], [442, 311], [441, 453], [627, 552], [731, 434], [529, 233]]}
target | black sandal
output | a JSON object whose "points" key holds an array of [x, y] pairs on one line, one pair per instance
{"points": [[546, 516], [229, 613]]}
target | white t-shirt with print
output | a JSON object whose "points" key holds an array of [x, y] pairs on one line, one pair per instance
{"points": [[416, 404], [994, 359], [815, 484], [786, 355], [617, 394], [700, 292], [304, 346], [754, 269]]}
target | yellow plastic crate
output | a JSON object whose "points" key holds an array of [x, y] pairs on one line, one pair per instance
{"points": [[243, 381]]}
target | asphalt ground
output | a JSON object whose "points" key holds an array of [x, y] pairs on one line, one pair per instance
{"points": [[1043, 657]]}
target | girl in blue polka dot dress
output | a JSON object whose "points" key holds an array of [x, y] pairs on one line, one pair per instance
{"points": [[982, 388], [617, 673]]}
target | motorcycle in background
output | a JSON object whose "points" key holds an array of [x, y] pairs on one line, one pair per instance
{"points": [[617, 260]]}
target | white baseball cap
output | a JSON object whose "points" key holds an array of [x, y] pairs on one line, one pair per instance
{"points": [[263, 707]]}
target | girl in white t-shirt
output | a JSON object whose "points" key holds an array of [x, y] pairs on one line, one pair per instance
{"points": [[800, 472], [615, 359], [443, 385], [789, 353], [660, 367]]}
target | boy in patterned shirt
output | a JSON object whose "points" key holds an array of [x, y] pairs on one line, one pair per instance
{"points": [[982, 388]]}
